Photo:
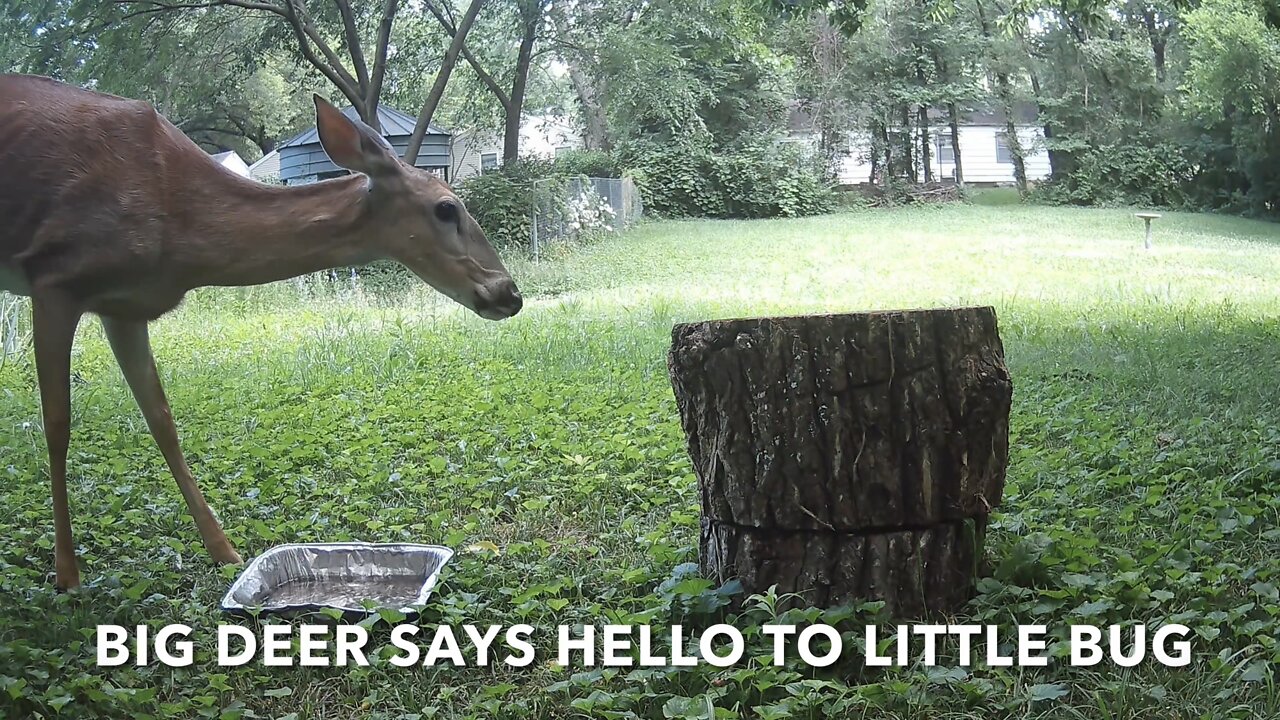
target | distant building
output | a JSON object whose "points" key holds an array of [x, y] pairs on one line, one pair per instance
{"points": [[984, 150], [477, 151], [232, 161], [267, 169], [303, 160]]}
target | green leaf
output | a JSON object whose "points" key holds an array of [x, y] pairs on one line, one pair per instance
{"points": [[1047, 691]]}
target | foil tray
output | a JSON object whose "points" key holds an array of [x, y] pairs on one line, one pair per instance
{"points": [[351, 577]]}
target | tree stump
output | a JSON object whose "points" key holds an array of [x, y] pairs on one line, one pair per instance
{"points": [[846, 457]]}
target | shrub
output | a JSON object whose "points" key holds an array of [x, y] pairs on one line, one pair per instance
{"points": [[1153, 174], [755, 181], [590, 163], [502, 202]]}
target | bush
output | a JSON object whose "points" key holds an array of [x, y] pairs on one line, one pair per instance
{"points": [[502, 202], [1126, 174], [757, 181], [589, 163]]}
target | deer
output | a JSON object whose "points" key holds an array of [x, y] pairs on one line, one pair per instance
{"points": [[107, 209]]}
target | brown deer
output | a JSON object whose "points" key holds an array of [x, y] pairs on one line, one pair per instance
{"points": [[107, 208]]}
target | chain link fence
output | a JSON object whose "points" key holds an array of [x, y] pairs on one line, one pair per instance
{"points": [[566, 209], [14, 332]]}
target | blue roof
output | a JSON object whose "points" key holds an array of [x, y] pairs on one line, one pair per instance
{"points": [[394, 124]]}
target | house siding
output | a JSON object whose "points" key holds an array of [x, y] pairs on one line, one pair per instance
{"points": [[464, 155], [266, 168], [977, 154], [539, 137]]}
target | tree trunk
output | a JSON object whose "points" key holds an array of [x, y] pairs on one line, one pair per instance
{"points": [[1015, 146], [591, 98], [922, 115], [922, 118], [1055, 159], [846, 456], [953, 117], [876, 148], [908, 161], [1004, 92], [515, 107], [1158, 42]]}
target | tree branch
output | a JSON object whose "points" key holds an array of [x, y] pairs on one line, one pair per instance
{"points": [[380, 53], [485, 77], [301, 19], [353, 42], [442, 80], [304, 31]]}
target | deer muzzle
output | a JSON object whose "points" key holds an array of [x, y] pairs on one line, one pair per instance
{"points": [[498, 299]]}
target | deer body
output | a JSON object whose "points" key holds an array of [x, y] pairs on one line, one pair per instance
{"points": [[107, 208]]}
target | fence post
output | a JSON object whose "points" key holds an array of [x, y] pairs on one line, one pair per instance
{"points": [[535, 234]]}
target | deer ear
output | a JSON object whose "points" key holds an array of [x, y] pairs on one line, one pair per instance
{"points": [[352, 144]]}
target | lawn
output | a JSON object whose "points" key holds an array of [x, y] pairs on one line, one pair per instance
{"points": [[1144, 480]]}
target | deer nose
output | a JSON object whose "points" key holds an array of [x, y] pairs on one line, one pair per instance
{"points": [[498, 300]]}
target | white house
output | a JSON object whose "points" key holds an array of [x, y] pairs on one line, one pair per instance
{"points": [[984, 151], [267, 168], [477, 151], [232, 161]]}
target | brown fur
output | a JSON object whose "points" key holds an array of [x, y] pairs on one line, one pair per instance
{"points": [[105, 207], [104, 199]]}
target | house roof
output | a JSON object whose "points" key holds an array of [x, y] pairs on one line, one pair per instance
{"points": [[223, 155], [1025, 113], [264, 159], [394, 124]]}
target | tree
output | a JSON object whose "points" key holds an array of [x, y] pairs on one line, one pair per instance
{"points": [[207, 72], [1232, 87], [526, 21], [459, 35], [309, 29]]}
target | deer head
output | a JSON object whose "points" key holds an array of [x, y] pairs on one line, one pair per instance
{"points": [[416, 219]]}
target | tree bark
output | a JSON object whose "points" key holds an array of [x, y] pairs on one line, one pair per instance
{"points": [[846, 456], [908, 161], [591, 97], [922, 117], [953, 117], [515, 106], [1158, 40], [1004, 92]]}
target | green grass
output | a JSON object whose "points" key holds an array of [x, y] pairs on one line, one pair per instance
{"points": [[1142, 487]]}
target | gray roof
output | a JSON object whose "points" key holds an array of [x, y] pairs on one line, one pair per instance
{"points": [[223, 155], [1024, 113], [394, 124]]}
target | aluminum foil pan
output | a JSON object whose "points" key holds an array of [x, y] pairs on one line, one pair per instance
{"points": [[351, 577]]}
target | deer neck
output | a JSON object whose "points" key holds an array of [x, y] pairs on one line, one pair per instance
{"points": [[247, 233]]}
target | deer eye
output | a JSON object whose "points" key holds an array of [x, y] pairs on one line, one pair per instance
{"points": [[447, 211]]}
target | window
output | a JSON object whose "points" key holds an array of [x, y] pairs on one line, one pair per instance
{"points": [[488, 161], [946, 153], [1002, 149]]}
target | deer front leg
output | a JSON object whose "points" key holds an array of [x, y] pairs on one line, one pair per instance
{"points": [[54, 320], [132, 347]]}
